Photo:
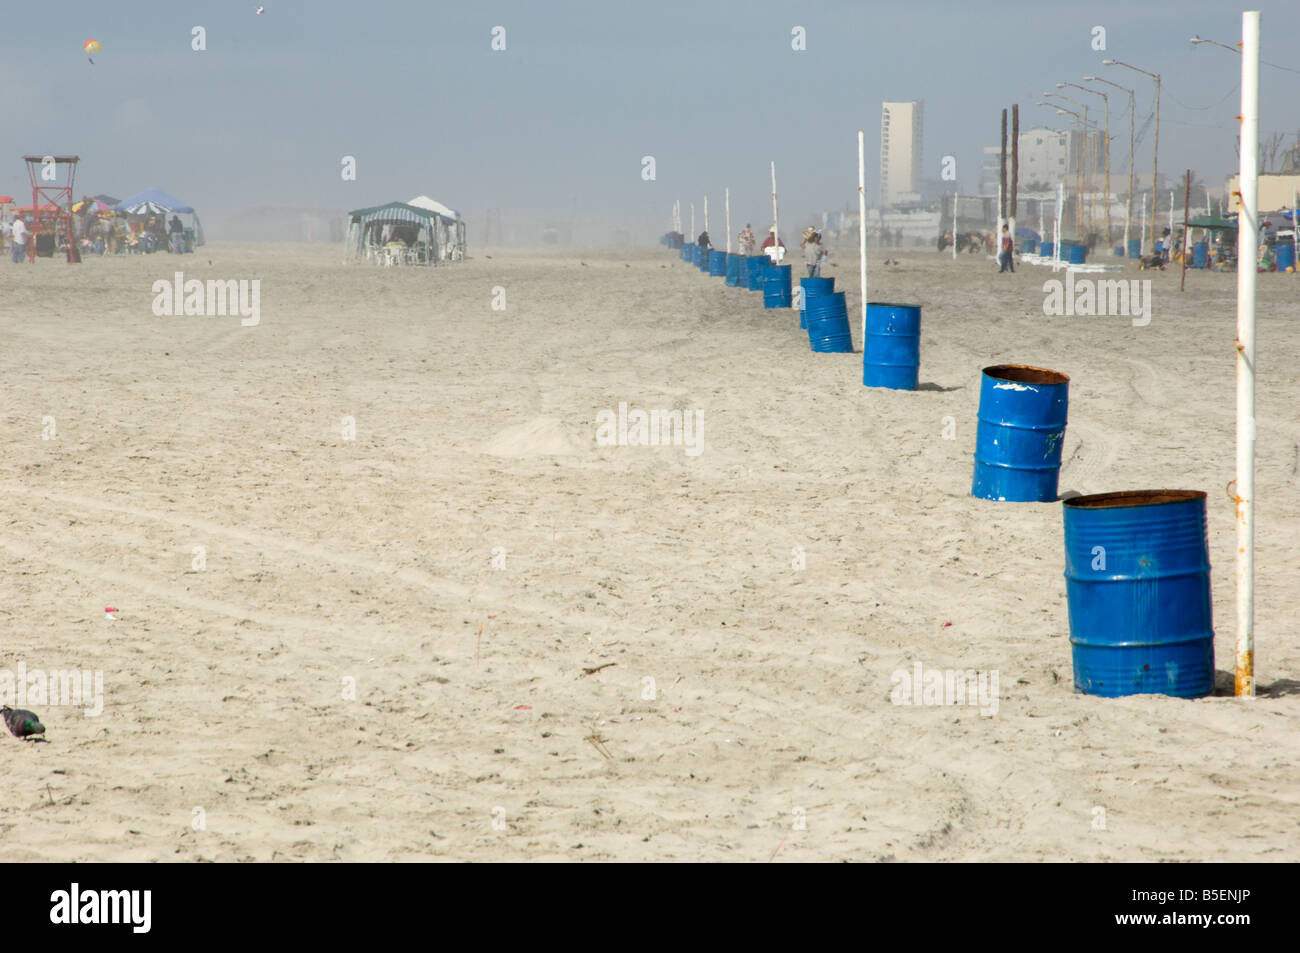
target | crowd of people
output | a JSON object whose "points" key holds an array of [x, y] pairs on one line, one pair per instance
{"points": [[95, 232], [814, 253]]}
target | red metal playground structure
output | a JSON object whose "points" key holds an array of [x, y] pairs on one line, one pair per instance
{"points": [[52, 180]]}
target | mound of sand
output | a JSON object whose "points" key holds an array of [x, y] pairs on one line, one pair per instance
{"points": [[539, 437]]}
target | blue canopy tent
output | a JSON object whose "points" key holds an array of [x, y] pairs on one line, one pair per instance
{"points": [[158, 202]]}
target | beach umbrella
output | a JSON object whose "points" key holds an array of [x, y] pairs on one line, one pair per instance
{"points": [[1023, 232], [95, 206]]}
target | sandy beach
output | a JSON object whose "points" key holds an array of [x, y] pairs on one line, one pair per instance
{"points": [[472, 633]]}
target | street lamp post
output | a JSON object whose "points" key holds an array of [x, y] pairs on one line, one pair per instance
{"points": [[1128, 215], [1106, 100], [1155, 160], [1234, 49], [1078, 203], [1083, 161]]}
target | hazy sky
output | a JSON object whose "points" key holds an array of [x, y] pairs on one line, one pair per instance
{"points": [[559, 121]]}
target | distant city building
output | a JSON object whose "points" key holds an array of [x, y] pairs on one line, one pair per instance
{"points": [[1047, 158], [900, 152]]}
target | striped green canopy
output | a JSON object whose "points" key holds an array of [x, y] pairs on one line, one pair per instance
{"points": [[394, 212]]}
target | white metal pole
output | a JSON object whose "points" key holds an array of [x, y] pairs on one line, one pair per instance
{"points": [[727, 199], [1128, 214], [1056, 231], [776, 222], [1208, 211], [1142, 234], [955, 196], [1295, 230], [1247, 236], [691, 236], [1171, 224], [1042, 223], [862, 231]]}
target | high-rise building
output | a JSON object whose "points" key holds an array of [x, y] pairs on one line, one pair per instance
{"points": [[1048, 157], [900, 152]]}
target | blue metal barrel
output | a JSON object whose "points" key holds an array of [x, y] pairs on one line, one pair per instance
{"points": [[1074, 253], [1020, 433], [1045, 249], [742, 271], [828, 323], [1200, 254], [891, 355], [696, 252], [776, 287], [1119, 251], [685, 253], [1285, 255], [1135, 248], [758, 265], [705, 255], [734, 262], [812, 287], [717, 263], [1137, 582], [1027, 246]]}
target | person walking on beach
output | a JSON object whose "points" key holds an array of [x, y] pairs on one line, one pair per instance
{"points": [[177, 231], [703, 240], [1006, 256], [812, 252], [747, 240], [771, 243], [19, 232]]}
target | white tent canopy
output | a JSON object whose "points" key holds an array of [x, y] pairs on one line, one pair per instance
{"points": [[452, 239], [433, 205]]}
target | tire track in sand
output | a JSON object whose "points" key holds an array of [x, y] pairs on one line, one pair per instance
{"points": [[449, 592]]}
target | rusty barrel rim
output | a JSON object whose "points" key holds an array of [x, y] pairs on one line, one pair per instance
{"points": [[1122, 498], [1026, 374]]}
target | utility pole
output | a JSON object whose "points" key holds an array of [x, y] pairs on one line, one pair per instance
{"points": [[1015, 165]]}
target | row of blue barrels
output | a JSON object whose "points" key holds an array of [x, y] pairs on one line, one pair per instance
{"points": [[1136, 563], [1134, 249], [1285, 255], [891, 353]]}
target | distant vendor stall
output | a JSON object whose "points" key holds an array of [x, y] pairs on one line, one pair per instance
{"points": [[1216, 248], [148, 213], [400, 233], [451, 238]]}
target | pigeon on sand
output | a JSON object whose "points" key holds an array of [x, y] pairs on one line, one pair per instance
{"points": [[22, 723]]}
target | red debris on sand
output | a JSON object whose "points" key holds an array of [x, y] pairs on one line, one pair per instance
{"points": [[523, 708], [945, 625]]}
